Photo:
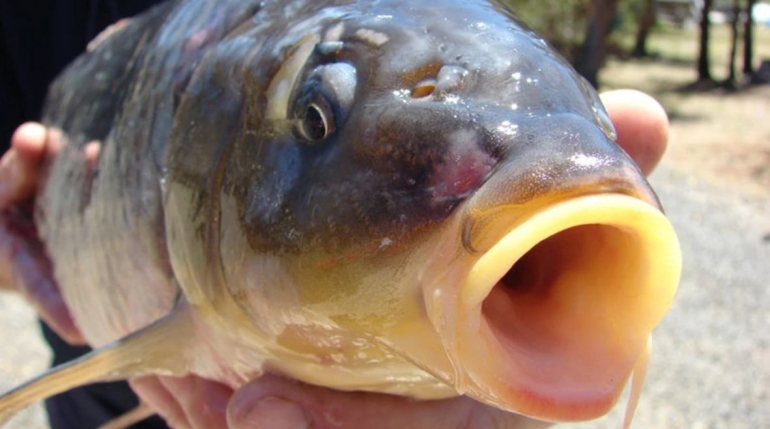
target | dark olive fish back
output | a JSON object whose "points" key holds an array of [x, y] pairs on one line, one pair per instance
{"points": [[100, 213]]}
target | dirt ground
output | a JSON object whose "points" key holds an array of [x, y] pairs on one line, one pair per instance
{"points": [[717, 135]]}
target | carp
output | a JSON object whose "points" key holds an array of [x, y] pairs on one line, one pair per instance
{"points": [[418, 198]]}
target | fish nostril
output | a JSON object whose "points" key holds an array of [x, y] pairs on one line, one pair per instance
{"points": [[451, 78], [424, 89]]}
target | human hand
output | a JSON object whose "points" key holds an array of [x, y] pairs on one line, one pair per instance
{"points": [[24, 264], [641, 124], [272, 402]]}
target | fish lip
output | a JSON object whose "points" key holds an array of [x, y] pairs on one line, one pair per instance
{"points": [[498, 371], [481, 225], [531, 180]]}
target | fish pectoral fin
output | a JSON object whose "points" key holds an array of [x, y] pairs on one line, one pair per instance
{"points": [[160, 348], [131, 417]]}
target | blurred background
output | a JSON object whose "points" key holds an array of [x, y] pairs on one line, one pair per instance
{"points": [[708, 63]]}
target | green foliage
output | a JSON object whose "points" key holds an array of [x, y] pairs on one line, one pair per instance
{"points": [[564, 22], [629, 12], [561, 22]]}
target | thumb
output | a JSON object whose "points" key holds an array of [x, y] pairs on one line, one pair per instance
{"points": [[19, 167], [271, 402], [641, 124]]}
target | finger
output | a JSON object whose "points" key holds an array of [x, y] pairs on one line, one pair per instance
{"points": [[24, 264], [641, 124], [272, 402], [203, 402], [19, 166], [156, 395]]}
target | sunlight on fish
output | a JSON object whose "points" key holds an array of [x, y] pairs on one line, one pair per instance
{"points": [[419, 199]]}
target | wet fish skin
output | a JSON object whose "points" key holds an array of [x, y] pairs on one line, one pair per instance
{"points": [[304, 186], [122, 96], [333, 218]]}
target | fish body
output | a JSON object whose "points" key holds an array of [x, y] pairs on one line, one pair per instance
{"points": [[419, 198]]}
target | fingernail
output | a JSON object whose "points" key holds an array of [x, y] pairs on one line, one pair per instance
{"points": [[271, 413]]}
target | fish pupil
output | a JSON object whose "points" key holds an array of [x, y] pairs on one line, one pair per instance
{"points": [[315, 123]]}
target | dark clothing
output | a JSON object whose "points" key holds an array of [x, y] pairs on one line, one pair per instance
{"points": [[38, 38]]}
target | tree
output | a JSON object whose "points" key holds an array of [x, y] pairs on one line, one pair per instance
{"points": [[748, 40], [646, 22], [704, 69], [732, 76], [594, 46]]}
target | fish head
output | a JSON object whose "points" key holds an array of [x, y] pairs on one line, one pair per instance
{"points": [[440, 180], [378, 123]]}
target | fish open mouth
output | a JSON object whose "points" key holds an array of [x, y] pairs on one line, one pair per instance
{"points": [[553, 318]]}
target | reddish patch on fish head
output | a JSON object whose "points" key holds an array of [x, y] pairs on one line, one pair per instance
{"points": [[464, 169]]}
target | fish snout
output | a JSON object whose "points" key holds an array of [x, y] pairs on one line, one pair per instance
{"points": [[572, 265], [553, 157]]}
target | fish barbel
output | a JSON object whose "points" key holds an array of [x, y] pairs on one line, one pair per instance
{"points": [[418, 198]]}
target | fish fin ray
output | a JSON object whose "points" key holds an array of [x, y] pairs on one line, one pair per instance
{"points": [[133, 416], [150, 350]]}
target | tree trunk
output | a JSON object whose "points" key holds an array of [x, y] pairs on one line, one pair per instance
{"points": [[748, 40], [594, 47], [646, 22], [732, 75], [704, 69]]}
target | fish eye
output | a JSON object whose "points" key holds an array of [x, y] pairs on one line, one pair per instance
{"points": [[324, 101], [315, 125]]}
